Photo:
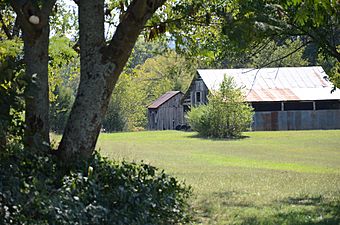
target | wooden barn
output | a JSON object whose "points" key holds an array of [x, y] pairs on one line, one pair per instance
{"points": [[166, 113], [286, 98]]}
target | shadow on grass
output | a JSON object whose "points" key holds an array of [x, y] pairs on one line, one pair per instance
{"points": [[303, 200], [310, 210], [197, 136], [304, 210]]}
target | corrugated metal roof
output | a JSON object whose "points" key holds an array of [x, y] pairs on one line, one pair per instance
{"points": [[164, 98], [276, 84]]}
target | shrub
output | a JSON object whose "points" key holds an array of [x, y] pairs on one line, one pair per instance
{"points": [[225, 116], [12, 85], [33, 190]]}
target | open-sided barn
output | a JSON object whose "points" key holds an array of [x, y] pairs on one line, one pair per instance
{"points": [[286, 98]]}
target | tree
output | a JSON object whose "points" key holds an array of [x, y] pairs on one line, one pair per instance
{"points": [[144, 84], [316, 22], [220, 30], [144, 50], [226, 115], [101, 66], [278, 55], [33, 19]]}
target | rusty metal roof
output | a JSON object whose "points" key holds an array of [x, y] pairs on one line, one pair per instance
{"points": [[164, 98], [276, 84]]}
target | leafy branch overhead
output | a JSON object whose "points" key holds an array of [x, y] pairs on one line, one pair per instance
{"points": [[199, 27]]}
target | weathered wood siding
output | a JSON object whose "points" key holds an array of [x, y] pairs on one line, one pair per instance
{"points": [[168, 115], [296, 120], [197, 85]]}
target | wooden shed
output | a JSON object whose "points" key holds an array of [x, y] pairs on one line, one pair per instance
{"points": [[166, 113], [285, 98]]}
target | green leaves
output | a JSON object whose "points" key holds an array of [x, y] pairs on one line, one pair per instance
{"points": [[34, 190], [139, 87], [225, 116], [12, 85]]}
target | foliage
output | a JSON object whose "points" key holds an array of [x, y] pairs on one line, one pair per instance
{"points": [[63, 80], [34, 190], [138, 89], [335, 75], [12, 86], [144, 50], [226, 115], [223, 32], [315, 21], [8, 29], [63, 64], [278, 55], [60, 108], [64, 20]]}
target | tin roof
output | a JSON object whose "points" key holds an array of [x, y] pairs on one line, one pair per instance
{"points": [[164, 98], [276, 84]]}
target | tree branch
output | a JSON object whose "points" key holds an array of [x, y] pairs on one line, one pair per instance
{"points": [[281, 58], [47, 7], [25, 9], [133, 21], [5, 28], [20, 8], [16, 28]]}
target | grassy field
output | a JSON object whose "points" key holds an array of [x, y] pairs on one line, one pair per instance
{"points": [[264, 178]]}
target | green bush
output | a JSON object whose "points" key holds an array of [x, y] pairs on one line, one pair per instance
{"points": [[226, 115], [33, 190]]}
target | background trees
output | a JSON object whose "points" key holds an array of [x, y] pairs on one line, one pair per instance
{"points": [[139, 87]]}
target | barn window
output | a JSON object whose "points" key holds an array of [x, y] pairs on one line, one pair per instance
{"points": [[266, 106], [298, 106], [198, 97], [324, 105]]}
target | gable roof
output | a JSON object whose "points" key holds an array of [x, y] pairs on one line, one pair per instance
{"points": [[276, 84], [164, 98]]}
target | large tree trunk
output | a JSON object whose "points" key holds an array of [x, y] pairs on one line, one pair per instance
{"points": [[83, 124], [36, 42], [36, 92], [101, 66]]}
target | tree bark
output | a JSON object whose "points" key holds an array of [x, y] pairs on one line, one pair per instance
{"points": [[36, 92], [101, 66], [36, 42]]}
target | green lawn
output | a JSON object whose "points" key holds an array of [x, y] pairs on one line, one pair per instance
{"points": [[265, 178]]}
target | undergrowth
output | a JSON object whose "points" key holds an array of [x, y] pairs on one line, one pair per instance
{"points": [[35, 190]]}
